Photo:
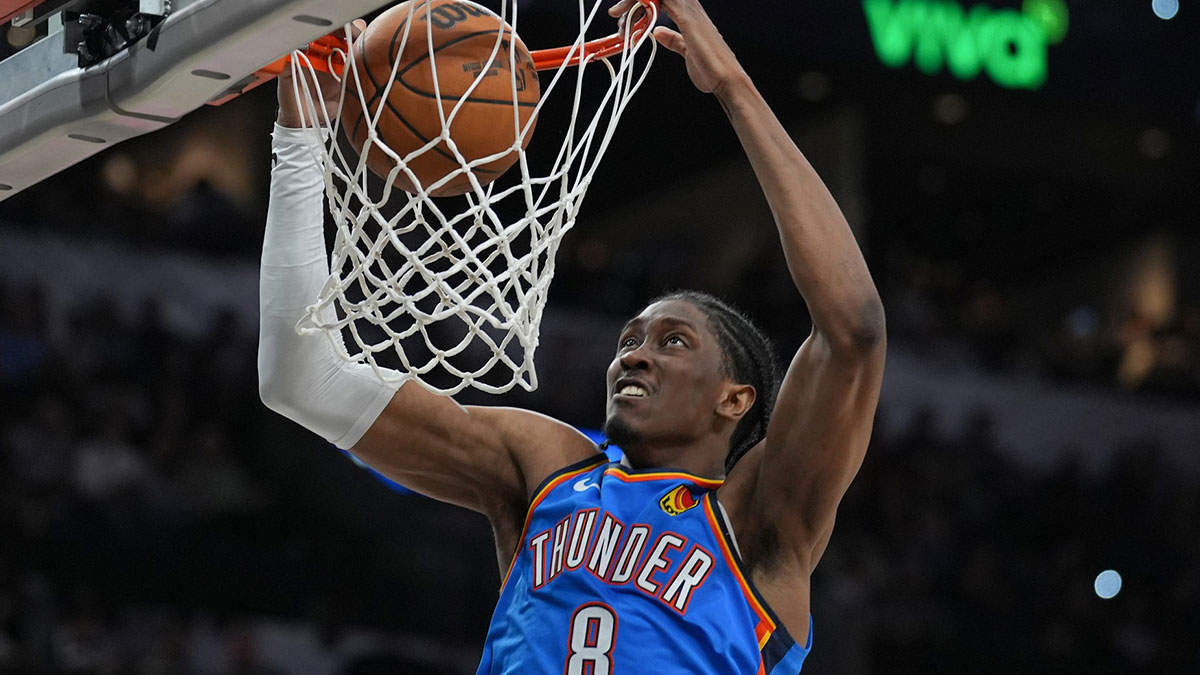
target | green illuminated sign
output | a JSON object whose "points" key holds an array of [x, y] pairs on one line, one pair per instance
{"points": [[1010, 46]]}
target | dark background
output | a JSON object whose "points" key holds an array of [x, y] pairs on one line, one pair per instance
{"points": [[1036, 252]]}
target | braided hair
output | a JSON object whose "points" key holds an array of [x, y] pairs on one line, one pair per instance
{"points": [[748, 357]]}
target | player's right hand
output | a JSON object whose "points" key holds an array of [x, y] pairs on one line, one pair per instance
{"points": [[293, 110], [711, 64]]}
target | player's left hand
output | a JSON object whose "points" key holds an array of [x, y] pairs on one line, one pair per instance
{"points": [[326, 95], [711, 64]]}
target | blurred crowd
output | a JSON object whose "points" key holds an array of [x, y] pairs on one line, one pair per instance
{"points": [[148, 527], [947, 558], [1094, 337], [1124, 314], [136, 535]]}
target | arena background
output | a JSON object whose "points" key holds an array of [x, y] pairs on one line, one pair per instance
{"points": [[1036, 249]]}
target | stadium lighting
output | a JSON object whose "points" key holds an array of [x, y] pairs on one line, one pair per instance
{"points": [[1108, 584], [1165, 9]]}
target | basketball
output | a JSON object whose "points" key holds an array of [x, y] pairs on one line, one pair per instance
{"points": [[463, 36]]}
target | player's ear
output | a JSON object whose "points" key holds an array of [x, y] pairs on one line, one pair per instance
{"points": [[736, 401]]}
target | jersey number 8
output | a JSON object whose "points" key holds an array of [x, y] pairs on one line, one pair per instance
{"points": [[593, 634]]}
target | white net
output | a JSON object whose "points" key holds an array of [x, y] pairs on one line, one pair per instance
{"points": [[450, 291]]}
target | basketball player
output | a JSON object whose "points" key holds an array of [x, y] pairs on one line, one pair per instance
{"points": [[695, 555]]}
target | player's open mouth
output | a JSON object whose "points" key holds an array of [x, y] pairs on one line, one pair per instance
{"points": [[633, 390], [627, 388]]}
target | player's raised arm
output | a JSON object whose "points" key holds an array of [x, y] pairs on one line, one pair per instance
{"points": [[823, 416], [485, 459]]}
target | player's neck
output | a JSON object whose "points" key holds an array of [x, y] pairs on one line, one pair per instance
{"points": [[704, 459]]}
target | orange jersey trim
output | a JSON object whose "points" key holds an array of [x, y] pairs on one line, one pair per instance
{"points": [[537, 499], [766, 626], [622, 475]]}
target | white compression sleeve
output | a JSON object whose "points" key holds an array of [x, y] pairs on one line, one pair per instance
{"points": [[301, 376]]}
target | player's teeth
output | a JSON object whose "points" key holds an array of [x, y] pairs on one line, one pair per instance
{"points": [[632, 390]]}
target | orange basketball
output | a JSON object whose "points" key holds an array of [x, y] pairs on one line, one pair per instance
{"points": [[463, 37]]}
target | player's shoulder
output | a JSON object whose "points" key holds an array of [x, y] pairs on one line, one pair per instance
{"points": [[529, 427], [737, 493], [540, 445]]}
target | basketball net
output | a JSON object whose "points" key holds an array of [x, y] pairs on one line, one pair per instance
{"points": [[450, 292]]}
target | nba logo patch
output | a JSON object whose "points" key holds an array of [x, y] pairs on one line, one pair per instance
{"points": [[677, 501]]}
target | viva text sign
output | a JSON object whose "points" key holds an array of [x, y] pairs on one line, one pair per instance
{"points": [[1009, 46]]}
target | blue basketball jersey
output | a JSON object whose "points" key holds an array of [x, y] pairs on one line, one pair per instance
{"points": [[625, 571]]}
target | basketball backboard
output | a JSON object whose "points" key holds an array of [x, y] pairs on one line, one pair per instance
{"points": [[55, 112]]}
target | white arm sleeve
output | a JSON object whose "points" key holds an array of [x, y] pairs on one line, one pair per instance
{"points": [[300, 376]]}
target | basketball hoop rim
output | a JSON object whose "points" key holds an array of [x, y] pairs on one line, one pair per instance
{"points": [[327, 53], [558, 57]]}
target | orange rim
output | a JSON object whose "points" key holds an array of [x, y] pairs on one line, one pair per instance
{"points": [[326, 53], [556, 57]]}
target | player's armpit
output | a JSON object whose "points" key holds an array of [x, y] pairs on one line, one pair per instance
{"points": [[816, 440]]}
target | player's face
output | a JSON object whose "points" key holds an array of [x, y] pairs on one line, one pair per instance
{"points": [[666, 379]]}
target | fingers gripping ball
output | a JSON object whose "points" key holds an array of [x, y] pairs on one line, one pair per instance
{"points": [[471, 63]]}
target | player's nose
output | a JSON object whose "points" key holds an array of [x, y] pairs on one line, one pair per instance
{"points": [[635, 359]]}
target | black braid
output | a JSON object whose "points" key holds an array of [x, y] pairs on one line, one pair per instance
{"points": [[749, 358]]}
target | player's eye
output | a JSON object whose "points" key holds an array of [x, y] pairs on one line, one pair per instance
{"points": [[628, 342], [675, 339]]}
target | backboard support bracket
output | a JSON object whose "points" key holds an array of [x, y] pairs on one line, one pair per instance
{"points": [[55, 113]]}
